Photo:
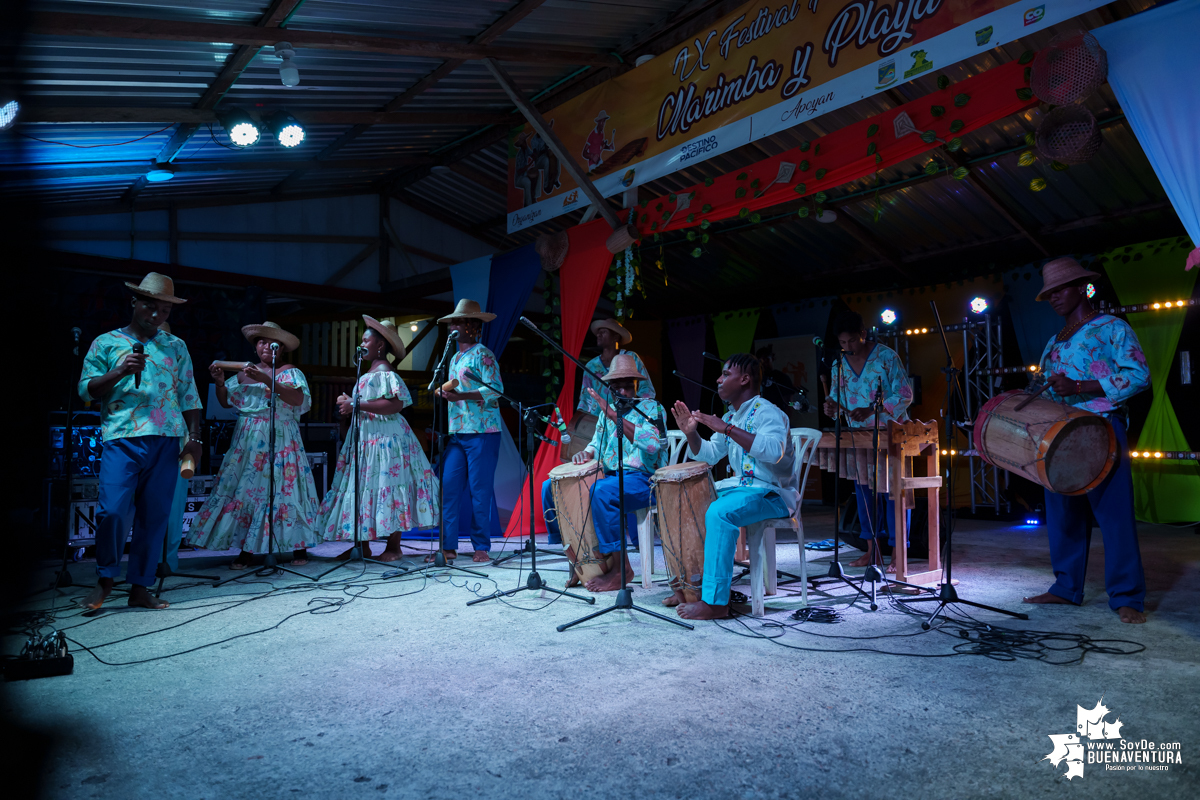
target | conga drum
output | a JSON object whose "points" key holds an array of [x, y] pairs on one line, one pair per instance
{"points": [[683, 494], [571, 488], [581, 430], [1065, 449]]}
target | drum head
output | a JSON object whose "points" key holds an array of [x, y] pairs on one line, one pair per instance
{"points": [[680, 472], [1080, 455], [574, 470]]}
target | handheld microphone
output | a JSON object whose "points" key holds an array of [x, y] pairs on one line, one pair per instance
{"points": [[138, 349], [709, 355]]}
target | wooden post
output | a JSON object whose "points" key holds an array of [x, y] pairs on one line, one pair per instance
{"points": [[547, 133]]}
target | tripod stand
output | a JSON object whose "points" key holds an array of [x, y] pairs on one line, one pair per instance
{"points": [[270, 564], [623, 405], [534, 582], [439, 378], [165, 571], [946, 592]]}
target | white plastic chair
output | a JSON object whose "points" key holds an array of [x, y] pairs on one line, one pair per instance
{"points": [[647, 525], [761, 536]]}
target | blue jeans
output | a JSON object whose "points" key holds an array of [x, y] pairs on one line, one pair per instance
{"points": [[138, 477], [469, 467], [554, 536], [866, 514], [734, 508], [605, 508], [1071, 536]]}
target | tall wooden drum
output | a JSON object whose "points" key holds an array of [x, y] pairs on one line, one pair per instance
{"points": [[683, 494], [581, 430], [1065, 449], [571, 487]]}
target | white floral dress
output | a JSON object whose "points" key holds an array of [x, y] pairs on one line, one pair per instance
{"points": [[397, 489], [235, 514]]}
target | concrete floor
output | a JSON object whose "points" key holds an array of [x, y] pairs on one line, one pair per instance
{"points": [[398, 689]]}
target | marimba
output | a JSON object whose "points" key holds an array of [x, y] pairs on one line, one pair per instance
{"points": [[899, 444]]}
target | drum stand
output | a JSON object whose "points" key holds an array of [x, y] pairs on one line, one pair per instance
{"points": [[360, 551], [439, 557], [270, 565], [534, 582], [624, 599], [946, 592]]}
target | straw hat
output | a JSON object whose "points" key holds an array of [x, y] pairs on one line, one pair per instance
{"points": [[468, 309], [387, 329], [272, 333], [157, 287], [620, 330], [623, 366], [1060, 272]]}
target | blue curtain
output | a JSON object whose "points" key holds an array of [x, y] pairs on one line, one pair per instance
{"points": [[1150, 61], [1033, 322], [512, 278]]}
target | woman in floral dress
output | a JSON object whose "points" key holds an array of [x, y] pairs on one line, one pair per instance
{"points": [[235, 514], [397, 489]]}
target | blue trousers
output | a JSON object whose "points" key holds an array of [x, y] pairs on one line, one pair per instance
{"points": [[553, 536], [138, 477], [1071, 536], [606, 510], [469, 467], [734, 508], [872, 528]]}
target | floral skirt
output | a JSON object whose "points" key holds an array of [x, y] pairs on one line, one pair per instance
{"points": [[235, 514], [397, 489]]}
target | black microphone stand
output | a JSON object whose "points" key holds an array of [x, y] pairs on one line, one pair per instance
{"points": [[528, 422], [947, 594], [270, 564], [440, 374], [624, 599], [360, 551]]}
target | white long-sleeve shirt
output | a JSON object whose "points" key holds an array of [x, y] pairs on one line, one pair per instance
{"points": [[769, 462]]}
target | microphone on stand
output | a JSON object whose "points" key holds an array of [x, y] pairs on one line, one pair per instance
{"points": [[525, 321], [433, 384], [709, 355], [138, 349]]}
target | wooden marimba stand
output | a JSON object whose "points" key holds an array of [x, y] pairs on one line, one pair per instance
{"points": [[900, 444]]}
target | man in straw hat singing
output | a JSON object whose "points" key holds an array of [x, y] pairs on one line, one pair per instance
{"points": [[148, 404], [469, 460], [1095, 363], [645, 450]]}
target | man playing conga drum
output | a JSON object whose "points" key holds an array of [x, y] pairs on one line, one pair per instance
{"points": [[645, 449], [756, 438], [1094, 363]]}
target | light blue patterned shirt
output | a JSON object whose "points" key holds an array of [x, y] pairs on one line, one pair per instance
{"points": [[857, 389], [769, 462], [648, 450], [1104, 349], [474, 416]]}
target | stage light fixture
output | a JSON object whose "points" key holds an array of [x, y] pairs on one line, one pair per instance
{"points": [[160, 173], [8, 114], [979, 305], [413, 327], [242, 129], [289, 74], [888, 317], [286, 128]]}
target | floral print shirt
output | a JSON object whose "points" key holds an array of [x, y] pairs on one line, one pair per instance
{"points": [[473, 416], [1104, 349], [155, 408], [250, 399], [382, 385], [857, 389], [768, 463], [648, 450], [587, 405]]}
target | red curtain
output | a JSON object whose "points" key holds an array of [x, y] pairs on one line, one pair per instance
{"points": [[581, 278]]}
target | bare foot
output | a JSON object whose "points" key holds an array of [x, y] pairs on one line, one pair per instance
{"points": [[481, 557], [866, 558], [392, 552], [1131, 615], [702, 610], [299, 557], [140, 597], [242, 561], [675, 599], [611, 580], [891, 568], [1047, 599], [97, 596]]}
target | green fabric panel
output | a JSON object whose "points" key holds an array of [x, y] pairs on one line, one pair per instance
{"points": [[1147, 273], [735, 331]]}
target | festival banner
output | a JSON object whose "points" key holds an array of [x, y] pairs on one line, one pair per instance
{"points": [[764, 68]]}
